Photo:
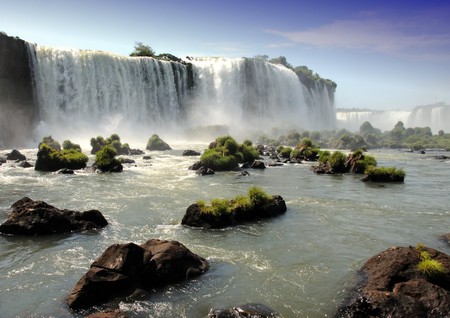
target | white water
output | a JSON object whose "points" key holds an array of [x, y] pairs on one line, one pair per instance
{"points": [[249, 93], [82, 94], [87, 93], [437, 117]]}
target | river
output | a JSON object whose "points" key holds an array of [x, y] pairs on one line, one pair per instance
{"points": [[300, 263]]}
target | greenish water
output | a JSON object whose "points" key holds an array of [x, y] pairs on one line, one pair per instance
{"points": [[300, 264]]}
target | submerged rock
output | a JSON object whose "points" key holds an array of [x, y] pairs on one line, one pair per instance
{"points": [[244, 311], [124, 268], [391, 285], [190, 152], [28, 217]]}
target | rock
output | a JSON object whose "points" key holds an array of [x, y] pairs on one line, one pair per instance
{"points": [[15, 155], [147, 157], [135, 152], [257, 164], [124, 268], [156, 143], [197, 165], [322, 168], [2, 160], [123, 160], [203, 171], [190, 153], [28, 217], [244, 311], [244, 173], [392, 286], [196, 218], [65, 171], [25, 164]]}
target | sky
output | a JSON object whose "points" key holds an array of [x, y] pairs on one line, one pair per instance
{"points": [[389, 55]]}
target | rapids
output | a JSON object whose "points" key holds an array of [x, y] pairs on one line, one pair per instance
{"points": [[300, 264]]}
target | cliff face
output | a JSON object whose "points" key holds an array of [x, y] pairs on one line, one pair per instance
{"points": [[17, 107]]}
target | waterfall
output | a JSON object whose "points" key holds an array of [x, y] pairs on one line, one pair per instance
{"points": [[250, 93], [102, 93], [436, 116], [88, 93]]}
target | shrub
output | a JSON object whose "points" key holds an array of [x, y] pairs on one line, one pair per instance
{"points": [[49, 159], [286, 152], [337, 161], [324, 156], [225, 154], [50, 142], [216, 160], [431, 267], [67, 144], [384, 174], [258, 197], [105, 158]]}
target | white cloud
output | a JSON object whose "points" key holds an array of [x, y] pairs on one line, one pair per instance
{"points": [[374, 35]]}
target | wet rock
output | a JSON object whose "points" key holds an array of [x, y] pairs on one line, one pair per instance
{"points": [[195, 217], [203, 171], [146, 157], [391, 285], [65, 171], [125, 268], [244, 311], [135, 152], [15, 155], [28, 217], [25, 164], [108, 314], [257, 164], [123, 160], [190, 152]]}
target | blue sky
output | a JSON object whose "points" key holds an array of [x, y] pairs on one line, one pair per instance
{"points": [[381, 54]]}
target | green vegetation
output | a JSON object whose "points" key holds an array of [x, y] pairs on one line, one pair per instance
{"points": [[113, 141], [67, 144], [430, 267], [50, 159], [256, 197], [305, 150], [105, 159], [50, 142], [156, 143], [140, 49], [384, 174], [225, 154], [368, 137]]}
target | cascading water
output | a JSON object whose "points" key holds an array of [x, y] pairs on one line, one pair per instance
{"points": [[437, 117], [89, 93], [248, 93], [104, 93]]}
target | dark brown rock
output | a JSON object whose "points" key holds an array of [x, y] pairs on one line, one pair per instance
{"points": [[15, 155], [124, 268], [190, 152], [392, 286], [28, 217], [108, 314], [196, 218]]}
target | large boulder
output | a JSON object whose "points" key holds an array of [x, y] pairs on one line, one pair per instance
{"points": [[124, 268], [190, 152], [28, 217], [392, 285], [195, 215]]}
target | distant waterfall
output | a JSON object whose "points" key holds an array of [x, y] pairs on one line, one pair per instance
{"points": [[89, 93], [437, 117]]}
